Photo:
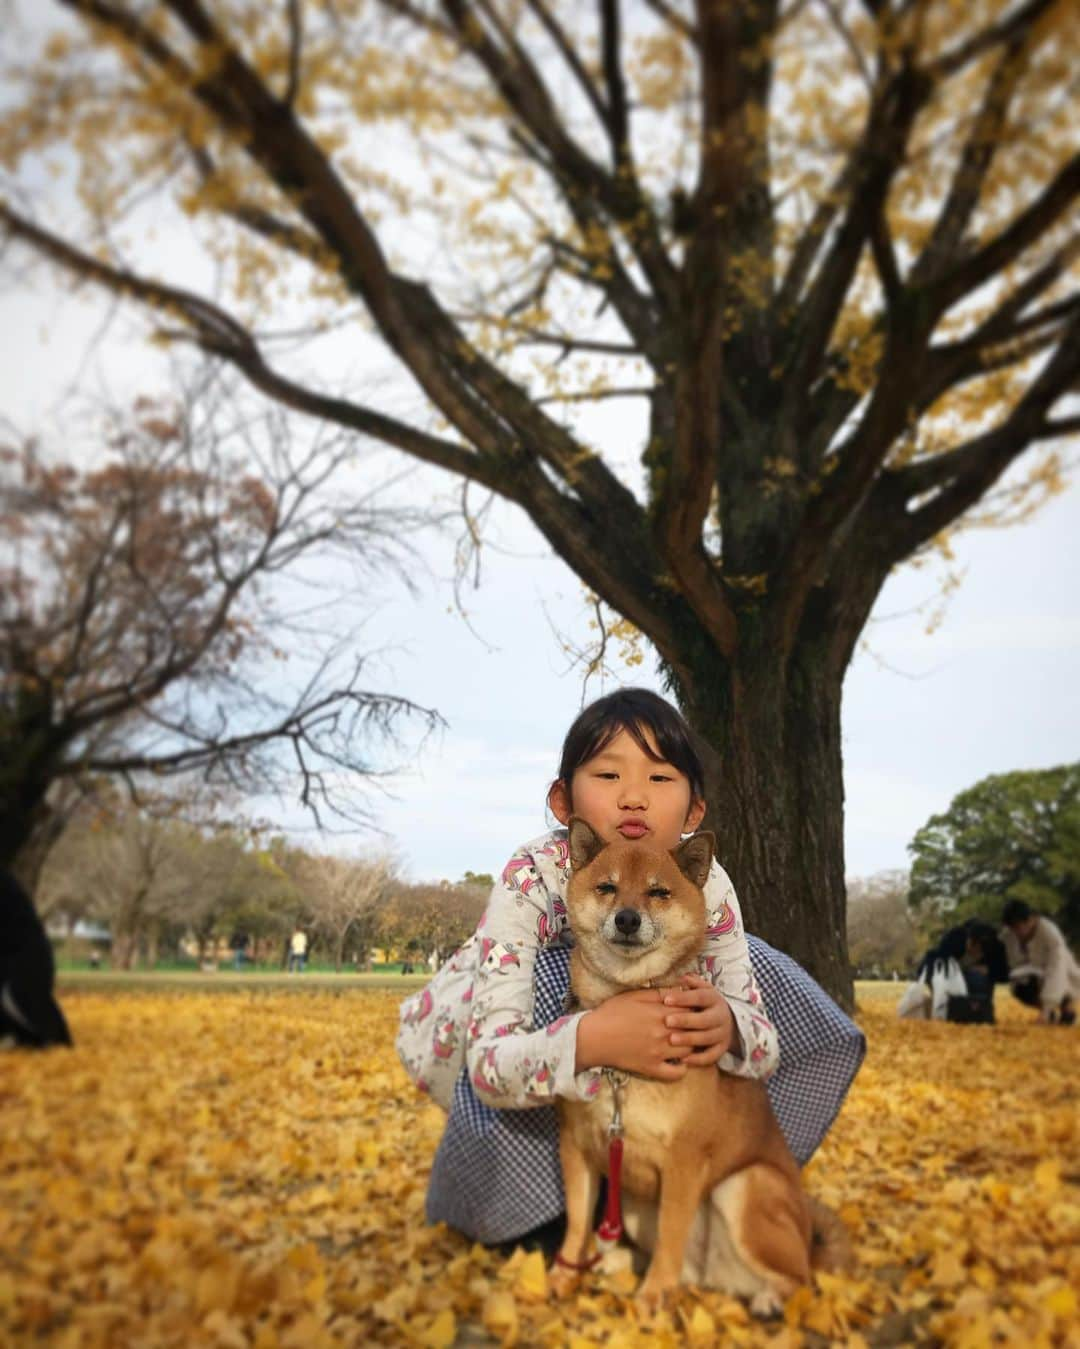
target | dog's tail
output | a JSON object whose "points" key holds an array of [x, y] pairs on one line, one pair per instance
{"points": [[830, 1245]]}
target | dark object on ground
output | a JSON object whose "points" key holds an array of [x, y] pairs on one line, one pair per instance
{"points": [[1027, 990], [28, 1010], [970, 1009]]}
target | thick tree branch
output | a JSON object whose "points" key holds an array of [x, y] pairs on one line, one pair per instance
{"points": [[878, 156], [974, 164], [995, 35], [257, 219], [487, 408], [949, 365], [813, 237], [1059, 428], [1050, 206], [618, 119], [976, 465], [217, 333]]}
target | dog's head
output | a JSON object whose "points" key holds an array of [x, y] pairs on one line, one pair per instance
{"points": [[637, 913]]}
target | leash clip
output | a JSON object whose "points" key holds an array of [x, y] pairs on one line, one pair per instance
{"points": [[616, 1080]]}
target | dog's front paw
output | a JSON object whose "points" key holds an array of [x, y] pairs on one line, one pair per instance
{"points": [[564, 1279], [650, 1296], [766, 1302]]}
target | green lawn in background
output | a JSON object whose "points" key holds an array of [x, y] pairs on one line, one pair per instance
{"points": [[226, 978]]}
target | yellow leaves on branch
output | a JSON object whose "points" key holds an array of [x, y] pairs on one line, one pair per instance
{"points": [[236, 1170]]}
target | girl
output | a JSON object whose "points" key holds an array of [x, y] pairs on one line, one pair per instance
{"points": [[629, 768]]}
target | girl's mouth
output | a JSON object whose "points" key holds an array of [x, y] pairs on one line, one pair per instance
{"points": [[633, 828]]}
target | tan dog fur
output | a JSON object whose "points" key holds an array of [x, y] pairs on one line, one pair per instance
{"points": [[707, 1137]]}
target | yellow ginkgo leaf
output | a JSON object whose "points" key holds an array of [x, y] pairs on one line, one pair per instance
{"points": [[441, 1333], [1047, 1176], [531, 1284], [500, 1316]]}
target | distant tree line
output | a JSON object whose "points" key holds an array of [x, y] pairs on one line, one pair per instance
{"points": [[160, 884]]}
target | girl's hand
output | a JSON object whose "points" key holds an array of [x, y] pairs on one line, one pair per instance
{"points": [[702, 1022], [630, 1031]]}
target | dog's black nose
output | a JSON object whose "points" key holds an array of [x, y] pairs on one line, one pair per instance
{"points": [[628, 921]]}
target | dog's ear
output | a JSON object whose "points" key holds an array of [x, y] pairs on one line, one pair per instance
{"points": [[585, 843], [695, 857]]}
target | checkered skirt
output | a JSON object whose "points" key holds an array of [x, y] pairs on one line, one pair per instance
{"points": [[496, 1172]]}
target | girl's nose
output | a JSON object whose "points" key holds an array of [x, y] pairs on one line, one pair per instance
{"points": [[632, 796]]}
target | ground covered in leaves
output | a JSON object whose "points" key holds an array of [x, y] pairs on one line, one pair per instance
{"points": [[242, 1169]]}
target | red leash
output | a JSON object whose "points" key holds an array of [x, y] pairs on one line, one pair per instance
{"points": [[611, 1226], [610, 1229]]}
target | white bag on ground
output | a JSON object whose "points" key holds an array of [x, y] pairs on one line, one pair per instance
{"points": [[946, 981], [915, 1004]]}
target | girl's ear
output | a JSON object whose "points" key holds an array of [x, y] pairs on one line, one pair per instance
{"points": [[694, 815], [559, 801]]}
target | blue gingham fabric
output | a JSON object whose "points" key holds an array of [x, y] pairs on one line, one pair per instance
{"points": [[496, 1173]]}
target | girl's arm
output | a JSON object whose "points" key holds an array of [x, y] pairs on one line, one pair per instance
{"points": [[725, 962], [510, 1063]]}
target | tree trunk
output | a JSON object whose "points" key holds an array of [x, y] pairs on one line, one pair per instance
{"points": [[775, 788], [122, 951], [26, 838]]}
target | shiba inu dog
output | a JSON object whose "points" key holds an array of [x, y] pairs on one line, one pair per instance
{"points": [[707, 1142]]}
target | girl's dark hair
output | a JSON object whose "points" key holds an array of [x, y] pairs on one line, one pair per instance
{"points": [[634, 711]]}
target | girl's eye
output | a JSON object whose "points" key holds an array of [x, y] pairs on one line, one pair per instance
{"points": [[658, 892], [605, 888], [611, 776], [661, 777]]}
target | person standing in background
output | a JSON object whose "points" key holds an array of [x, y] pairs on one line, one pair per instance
{"points": [[298, 945]]}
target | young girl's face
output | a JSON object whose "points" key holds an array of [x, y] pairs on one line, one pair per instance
{"points": [[627, 796]]}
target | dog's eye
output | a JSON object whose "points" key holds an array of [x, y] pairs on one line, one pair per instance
{"points": [[605, 888], [658, 892]]}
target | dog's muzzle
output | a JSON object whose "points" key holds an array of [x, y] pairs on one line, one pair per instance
{"points": [[629, 927]]}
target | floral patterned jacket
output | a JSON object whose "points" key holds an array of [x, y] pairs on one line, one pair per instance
{"points": [[510, 1064]]}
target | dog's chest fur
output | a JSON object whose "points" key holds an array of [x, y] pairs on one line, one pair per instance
{"points": [[656, 1117]]}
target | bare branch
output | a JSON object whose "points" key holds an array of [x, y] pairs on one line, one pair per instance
{"points": [[296, 40], [674, 19], [586, 186], [597, 395], [858, 57], [566, 50]]}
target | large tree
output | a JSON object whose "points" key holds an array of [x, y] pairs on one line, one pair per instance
{"points": [[141, 614], [1011, 836], [828, 245]]}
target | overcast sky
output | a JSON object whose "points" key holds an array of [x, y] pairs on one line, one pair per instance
{"points": [[994, 689]]}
